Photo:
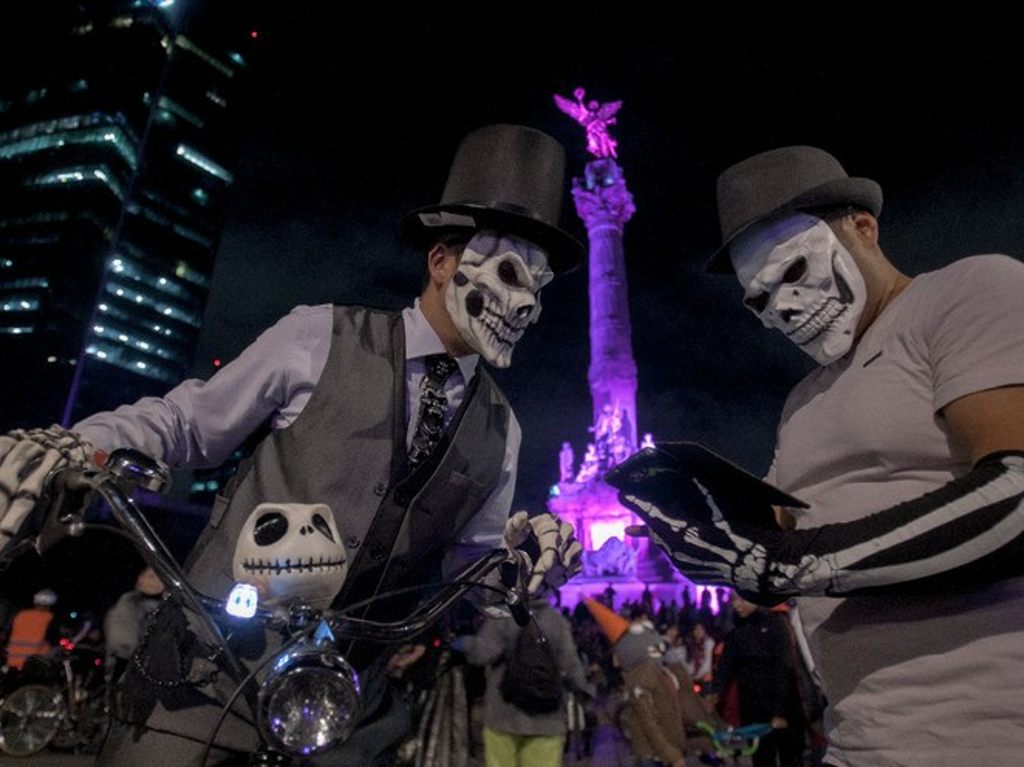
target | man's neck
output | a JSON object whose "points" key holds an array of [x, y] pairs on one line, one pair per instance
{"points": [[436, 313]]}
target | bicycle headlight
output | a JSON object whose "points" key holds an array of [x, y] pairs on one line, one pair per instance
{"points": [[309, 701]]}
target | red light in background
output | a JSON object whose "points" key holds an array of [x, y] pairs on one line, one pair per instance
{"points": [[254, 34], [216, 362], [436, 643]]}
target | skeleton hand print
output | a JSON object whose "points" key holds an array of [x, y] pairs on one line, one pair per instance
{"points": [[970, 530], [26, 460], [709, 553], [495, 293], [554, 554]]}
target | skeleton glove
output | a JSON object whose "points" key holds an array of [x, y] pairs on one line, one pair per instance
{"points": [[549, 547], [720, 552], [26, 459], [968, 531]]}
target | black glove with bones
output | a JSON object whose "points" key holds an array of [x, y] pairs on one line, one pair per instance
{"points": [[26, 459], [549, 546]]}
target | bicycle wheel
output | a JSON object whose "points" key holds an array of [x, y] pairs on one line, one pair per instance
{"points": [[29, 719]]}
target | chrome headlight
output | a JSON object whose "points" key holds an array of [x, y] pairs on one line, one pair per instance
{"points": [[309, 701]]}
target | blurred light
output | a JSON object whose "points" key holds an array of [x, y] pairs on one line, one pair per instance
{"points": [[242, 601], [254, 35], [216, 362], [51, 359]]}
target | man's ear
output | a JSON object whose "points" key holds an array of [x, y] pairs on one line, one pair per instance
{"points": [[441, 263], [864, 226]]}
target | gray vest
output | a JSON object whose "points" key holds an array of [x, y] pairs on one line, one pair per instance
{"points": [[347, 449]]}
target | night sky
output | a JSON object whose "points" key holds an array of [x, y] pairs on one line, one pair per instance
{"points": [[356, 109]]}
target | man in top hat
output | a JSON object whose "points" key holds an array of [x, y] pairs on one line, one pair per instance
{"points": [[907, 442], [385, 417]]}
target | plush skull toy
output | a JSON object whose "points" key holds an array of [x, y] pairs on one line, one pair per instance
{"points": [[291, 552], [495, 293], [800, 279]]}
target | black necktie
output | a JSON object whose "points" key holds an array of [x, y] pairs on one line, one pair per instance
{"points": [[433, 405]]}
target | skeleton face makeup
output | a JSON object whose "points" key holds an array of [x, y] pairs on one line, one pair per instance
{"points": [[495, 293], [291, 552], [800, 279]]}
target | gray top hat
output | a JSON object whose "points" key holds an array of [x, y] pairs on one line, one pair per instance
{"points": [[505, 177], [779, 181]]}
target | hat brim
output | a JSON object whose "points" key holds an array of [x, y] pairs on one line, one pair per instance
{"points": [[858, 192], [564, 251]]}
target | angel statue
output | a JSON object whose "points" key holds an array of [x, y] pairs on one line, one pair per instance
{"points": [[595, 118]]}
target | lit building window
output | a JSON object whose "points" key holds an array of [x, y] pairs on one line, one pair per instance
{"points": [[125, 147], [216, 98], [89, 174], [204, 163], [16, 330], [185, 44], [177, 109]]}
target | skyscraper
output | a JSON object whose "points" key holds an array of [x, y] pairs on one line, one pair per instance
{"points": [[116, 127]]}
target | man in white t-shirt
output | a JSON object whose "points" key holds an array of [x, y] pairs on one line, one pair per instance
{"points": [[908, 445]]}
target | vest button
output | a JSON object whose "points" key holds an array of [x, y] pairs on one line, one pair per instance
{"points": [[352, 542], [380, 488], [377, 553]]}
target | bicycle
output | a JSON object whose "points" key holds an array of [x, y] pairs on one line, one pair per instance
{"points": [[735, 742], [309, 701]]}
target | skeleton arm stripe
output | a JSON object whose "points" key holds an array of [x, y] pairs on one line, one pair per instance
{"points": [[974, 522]]}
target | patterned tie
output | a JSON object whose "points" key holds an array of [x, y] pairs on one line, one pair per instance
{"points": [[433, 405]]}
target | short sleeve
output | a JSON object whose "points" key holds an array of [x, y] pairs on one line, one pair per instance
{"points": [[974, 332]]}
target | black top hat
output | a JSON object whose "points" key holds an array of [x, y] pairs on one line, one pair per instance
{"points": [[505, 177], [779, 181]]}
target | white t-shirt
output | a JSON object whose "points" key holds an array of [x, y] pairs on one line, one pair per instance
{"points": [[915, 680]]}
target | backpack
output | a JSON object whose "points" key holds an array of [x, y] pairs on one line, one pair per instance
{"points": [[532, 680]]}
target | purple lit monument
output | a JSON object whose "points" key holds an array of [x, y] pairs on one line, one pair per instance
{"points": [[580, 496]]}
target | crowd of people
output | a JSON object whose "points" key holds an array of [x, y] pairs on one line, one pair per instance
{"points": [[726, 662]]}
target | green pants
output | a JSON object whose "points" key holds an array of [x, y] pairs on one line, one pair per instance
{"points": [[504, 749]]}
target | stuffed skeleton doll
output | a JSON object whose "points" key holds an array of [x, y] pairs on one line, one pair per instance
{"points": [[26, 460], [291, 552], [495, 293]]}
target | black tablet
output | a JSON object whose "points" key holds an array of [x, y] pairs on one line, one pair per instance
{"points": [[672, 474]]}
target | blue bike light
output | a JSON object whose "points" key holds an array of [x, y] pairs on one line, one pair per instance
{"points": [[309, 701], [242, 601]]}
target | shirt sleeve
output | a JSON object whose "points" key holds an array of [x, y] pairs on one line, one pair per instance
{"points": [[198, 423], [973, 330]]}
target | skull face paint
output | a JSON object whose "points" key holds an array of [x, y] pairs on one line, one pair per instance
{"points": [[291, 552], [800, 279], [495, 293]]}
